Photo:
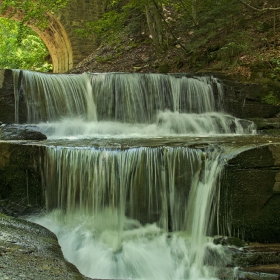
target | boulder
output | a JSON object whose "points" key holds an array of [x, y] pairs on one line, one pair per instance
{"points": [[20, 132]]}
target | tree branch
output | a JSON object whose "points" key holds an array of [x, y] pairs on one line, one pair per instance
{"points": [[259, 10], [168, 27]]}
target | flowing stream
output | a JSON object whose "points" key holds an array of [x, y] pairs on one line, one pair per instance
{"points": [[135, 211]]}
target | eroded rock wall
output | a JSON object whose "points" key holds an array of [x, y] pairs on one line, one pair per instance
{"points": [[21, 190], [7, 100], [250, 195], [247, 100]]}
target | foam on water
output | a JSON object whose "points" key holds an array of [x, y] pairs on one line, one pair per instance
{"points": [[93, 190], [167, 124], [96, 247]]}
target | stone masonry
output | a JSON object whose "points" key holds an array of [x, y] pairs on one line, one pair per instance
{"points": [[66, 48]]}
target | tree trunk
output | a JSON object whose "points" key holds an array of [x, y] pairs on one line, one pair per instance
{"points": [[194, 12], [155, 24]]}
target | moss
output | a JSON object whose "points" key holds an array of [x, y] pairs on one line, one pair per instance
{"points": [[236, 242]]}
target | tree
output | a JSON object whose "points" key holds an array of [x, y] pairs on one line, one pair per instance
{"points": [[163, 21]]}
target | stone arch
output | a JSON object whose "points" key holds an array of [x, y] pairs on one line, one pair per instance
{"points": [[66, 48], [56, 41]]}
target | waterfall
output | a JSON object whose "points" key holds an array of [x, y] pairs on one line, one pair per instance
{"points": [[123, 210], [50, 97], [118, 104], [119, 207]]}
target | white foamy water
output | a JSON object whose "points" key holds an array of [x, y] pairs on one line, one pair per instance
{"points": [[98, 188], [167, 124], [96, 246]]}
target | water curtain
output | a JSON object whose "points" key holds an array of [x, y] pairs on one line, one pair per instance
{"points": [[117, 192], [119, 104]]}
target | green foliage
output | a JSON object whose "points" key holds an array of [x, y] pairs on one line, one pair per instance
{"points": [[271, 99], [110, 23], [164, 68], [275, 71], [22, 48], [233, 49], [32, 10], [117, 18]]}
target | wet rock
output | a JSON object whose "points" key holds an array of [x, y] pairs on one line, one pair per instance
{"points": [[20, 132], [29, 251], [250, 195], [244, 100], [229, 241], [7, 99], [258, 257], [21, 186], [255, 275]]}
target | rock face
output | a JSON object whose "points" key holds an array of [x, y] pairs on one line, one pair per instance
{"points": [[29, 251], [247, 100], [7, 99], [257, 261], [250, 195], [21, 190]]}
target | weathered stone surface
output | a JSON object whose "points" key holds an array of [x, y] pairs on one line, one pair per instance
{"points": [[21, 189], [258, 261], [257, 254], [250, 195], [18, 132], [29, 251], [7, 100], [245, 100]]}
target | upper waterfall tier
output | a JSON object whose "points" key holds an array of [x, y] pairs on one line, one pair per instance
{"points": [[175, 104]]}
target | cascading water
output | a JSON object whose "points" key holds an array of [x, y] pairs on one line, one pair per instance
{"points": [[116, 104], [131, 212], [105, 194]]}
